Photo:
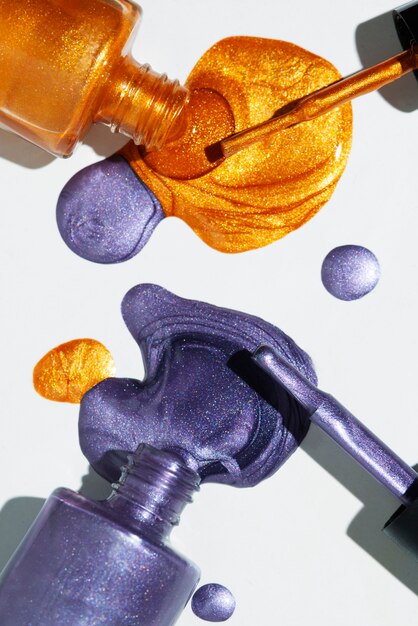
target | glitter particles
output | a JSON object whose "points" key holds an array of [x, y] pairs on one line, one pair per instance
{"points": [[109, 562], [65, 373], [275, 186], [350, 272], [105, 214], [202, 398], [209, 118], [63, 68], [213, 603], [55, 60]]}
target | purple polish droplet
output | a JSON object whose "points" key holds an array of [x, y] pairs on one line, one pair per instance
{"points": [[350, 272], [105, 213], [213, 603]]}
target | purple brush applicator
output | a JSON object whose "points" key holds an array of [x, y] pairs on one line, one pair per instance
{"points": [[357, 440]]}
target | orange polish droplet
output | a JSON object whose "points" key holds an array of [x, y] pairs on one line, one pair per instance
{"points": [[272, 187], [68, 371]]}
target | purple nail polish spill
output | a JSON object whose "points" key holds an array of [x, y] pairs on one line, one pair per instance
{"points": [[213, 603], [350, 272], [203, 398], [106, 214]]}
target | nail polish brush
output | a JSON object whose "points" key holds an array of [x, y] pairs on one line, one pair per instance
{"points": [[357, 440], [336, 94]]}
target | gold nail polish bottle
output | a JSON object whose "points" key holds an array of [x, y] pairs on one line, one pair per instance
{"points": [[66, 64]]}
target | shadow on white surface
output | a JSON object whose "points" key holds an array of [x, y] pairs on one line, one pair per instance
{"points": [[379, 505], [16, 518], [17, 150], [103, 141], [18, 514], [94, 486], [376, 41]]}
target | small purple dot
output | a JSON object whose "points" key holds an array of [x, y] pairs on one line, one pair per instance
{"points": [[350, 272], [213, 603]]}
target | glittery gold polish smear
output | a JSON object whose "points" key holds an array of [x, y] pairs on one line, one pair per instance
{"points": [[324, 100], [209, 119], [68, 371], [270, 188]]}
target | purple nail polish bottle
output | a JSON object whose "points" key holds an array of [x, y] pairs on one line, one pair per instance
{"points": [[85, 562]]}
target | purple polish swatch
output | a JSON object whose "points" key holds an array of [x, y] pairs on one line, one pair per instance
{"points": [[105, 213], [196, 400], [213, 603], [350, 272]]}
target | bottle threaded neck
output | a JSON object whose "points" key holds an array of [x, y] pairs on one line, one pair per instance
{"points": [[154, 488], [142, 104]]}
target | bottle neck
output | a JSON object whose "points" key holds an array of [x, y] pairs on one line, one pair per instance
{"points": [[152, 492], [142, 104]]}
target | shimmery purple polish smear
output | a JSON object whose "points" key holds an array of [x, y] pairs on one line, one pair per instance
{"points": [[202, 398], [105, 213], [213, 603], [350, 272], [110, 562]]}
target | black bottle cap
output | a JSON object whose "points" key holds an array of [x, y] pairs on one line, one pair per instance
{"points": [[406, 22], [402, 527]]}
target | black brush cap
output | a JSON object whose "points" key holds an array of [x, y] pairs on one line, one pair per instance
{"points": [[406, 22], [403, 527]]}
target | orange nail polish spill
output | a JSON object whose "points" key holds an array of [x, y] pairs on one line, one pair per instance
{"points": [[209, 119], [68, 371], [272, 187]]}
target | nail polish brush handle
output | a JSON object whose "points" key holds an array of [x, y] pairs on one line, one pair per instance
{"points": [[324, 100], [340, 92], [345, 429]]}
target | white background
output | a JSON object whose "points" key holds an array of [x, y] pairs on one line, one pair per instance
{"points": [[304, 546]]}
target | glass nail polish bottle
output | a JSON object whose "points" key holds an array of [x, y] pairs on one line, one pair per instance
{"points": [[65, 64], [85, 562]]}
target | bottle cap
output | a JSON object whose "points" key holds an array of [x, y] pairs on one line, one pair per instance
{"points": [[406, 22], [402, 527]]}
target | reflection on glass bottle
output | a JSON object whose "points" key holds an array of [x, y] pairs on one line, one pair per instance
{"points": [[65, 64], [85, 562]]}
